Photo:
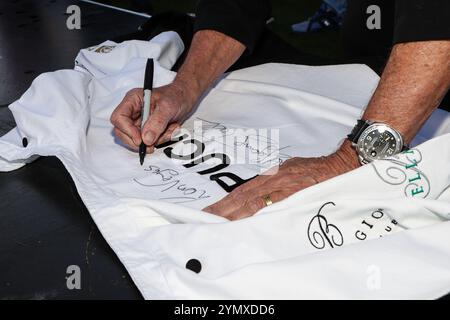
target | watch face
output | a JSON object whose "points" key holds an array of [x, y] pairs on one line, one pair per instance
{"points": [[379, 141]]}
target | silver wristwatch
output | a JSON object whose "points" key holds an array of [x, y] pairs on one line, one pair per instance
{"points": [[375, 140]]}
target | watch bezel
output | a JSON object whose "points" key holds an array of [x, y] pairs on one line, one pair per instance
{"points": [[378, 126]]}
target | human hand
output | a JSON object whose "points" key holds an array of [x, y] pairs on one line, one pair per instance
{"points": [[294, 175], [170, 106]]}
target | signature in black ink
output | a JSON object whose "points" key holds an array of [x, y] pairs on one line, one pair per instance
{"points": [[264, 155], [212, 125], [171, 183], [252, 142], [321, 233]]}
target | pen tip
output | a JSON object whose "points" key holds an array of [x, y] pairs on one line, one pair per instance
{"points": [[142, 152]]}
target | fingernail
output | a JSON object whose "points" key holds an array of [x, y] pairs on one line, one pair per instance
{"points": [[148, 138]]}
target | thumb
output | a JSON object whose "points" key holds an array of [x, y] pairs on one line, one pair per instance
{"points": [[155, 126]]}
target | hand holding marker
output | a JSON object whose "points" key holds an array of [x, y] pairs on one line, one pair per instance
{"points": [[148, 87]]}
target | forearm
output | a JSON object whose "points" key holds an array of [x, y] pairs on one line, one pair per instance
{"points": [[210, 55], [414, 82]]}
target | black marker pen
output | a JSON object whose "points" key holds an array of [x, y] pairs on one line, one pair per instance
{"points": [[148, 87]]}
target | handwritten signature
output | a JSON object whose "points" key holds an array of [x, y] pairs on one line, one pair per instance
{"points": [[264, 155], [169, 182], [267, 150]]}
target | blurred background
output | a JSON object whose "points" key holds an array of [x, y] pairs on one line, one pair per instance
{"points": [[285, 12]]}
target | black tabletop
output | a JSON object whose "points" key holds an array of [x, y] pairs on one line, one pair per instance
{"points": [[44, 226]]}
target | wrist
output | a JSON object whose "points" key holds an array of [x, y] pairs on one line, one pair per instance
{"points": [[345, 158], [188, 90]]}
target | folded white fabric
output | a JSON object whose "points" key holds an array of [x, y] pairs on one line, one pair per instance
{"points": [[378, 232]]}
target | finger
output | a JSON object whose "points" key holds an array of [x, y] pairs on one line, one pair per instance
{"points": [[136, 98], [249, 190], [254, 189], [126, 114], [124, 119], [155, 126], [131, 105], [171, 130], [150, 149], [125, 139], [127, 127], [137, 122], [252, 206], [129, 143], [223, 207], [236, 198], [253, 184]]}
